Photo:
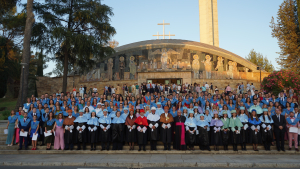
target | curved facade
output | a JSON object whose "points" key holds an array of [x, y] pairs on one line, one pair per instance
{"points": [[170, 58]]}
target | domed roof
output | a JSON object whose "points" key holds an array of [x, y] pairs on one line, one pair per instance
{"points": [[173, 43]]}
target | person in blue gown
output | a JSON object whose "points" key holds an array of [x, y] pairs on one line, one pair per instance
{"points": [[203, 137], [33, 130], [255, 135], [12, 123], [118, 131], [191, 130]]}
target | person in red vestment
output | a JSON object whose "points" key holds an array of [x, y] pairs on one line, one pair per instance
{"points": [[142, 125]]}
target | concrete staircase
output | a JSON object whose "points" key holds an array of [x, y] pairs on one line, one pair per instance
{"points": [[4, 149]]}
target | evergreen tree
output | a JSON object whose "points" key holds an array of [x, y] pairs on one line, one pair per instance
{"points": [[79, 30], [286, 30], [259, 59]]}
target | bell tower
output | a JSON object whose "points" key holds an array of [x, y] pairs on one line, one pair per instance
{"points": [[208, 15]]}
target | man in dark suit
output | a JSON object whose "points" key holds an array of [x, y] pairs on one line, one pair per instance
{"points": [[279, 129]]}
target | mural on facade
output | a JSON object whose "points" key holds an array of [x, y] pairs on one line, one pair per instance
{"points": [[126, 66]]}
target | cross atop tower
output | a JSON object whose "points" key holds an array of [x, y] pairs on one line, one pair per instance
{"points": [[163, 35]]}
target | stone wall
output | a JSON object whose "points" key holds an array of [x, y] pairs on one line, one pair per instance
{"points": [[53, 85]]}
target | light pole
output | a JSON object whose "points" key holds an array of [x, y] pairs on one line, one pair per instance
{"points": [[23, 67], [259, 68]]}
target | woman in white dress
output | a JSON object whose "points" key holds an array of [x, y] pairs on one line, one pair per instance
{"points": [[113, 90], [252, 88]]}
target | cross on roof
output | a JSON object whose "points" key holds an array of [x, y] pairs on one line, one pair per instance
{"points": [[163, 35]]}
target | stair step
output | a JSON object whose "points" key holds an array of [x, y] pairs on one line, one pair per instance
{"points": [[126, 147]]}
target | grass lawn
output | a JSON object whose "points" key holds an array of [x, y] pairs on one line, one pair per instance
{"points": [[9, 105]]}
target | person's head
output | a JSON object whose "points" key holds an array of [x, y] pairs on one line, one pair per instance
{"points": [[233, 113], [12, 113], [60, 116], [201, 117], [105, 112], [153, 110], [292, 114], [34, 118], [277, 111], [296, 109], [166, 109], [216, 115], [118, 114], [178, 112], [131, 112], [25, 114], [191, 114], [93, 114]]}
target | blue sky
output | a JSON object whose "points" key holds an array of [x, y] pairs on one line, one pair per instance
{"points": [[243, 24]]}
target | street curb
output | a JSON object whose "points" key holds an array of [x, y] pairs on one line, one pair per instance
{"points": [[142, 165]]}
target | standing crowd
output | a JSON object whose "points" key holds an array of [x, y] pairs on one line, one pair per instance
{"points": [[182, 115]]}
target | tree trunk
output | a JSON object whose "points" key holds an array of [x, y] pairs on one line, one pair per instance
{"points": [[65, 75], [26, 54]]}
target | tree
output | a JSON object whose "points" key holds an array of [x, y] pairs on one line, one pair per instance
{"points": [[286, 30], [259, 59], [26, 53], [78, 30]]}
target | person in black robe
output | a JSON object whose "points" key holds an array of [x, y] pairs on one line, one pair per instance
{"points": [[142, 125], [105, 131], [178, 143], [130, 129], [118, 131], [166, 120], [81, 130], [92, 130], [144, 89], [153, 131], [69, 130], [203, 137]]}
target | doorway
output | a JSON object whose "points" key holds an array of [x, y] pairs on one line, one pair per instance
{"points": [[166, 81]]}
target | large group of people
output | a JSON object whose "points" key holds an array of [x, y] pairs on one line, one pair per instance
{"points": [[195, 116]]}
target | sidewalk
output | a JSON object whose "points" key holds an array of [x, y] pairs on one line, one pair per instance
{"points": [[152, 160]]}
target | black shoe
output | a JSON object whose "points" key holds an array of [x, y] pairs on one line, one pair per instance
{"points": [[139, 149], [26, 148], [71, 149], [144, 149], [19, 149], [165, 149], [102, 149], [283, 150], [278, 149], [92, 149], [169, 149], [66, 149], [78, 148]]}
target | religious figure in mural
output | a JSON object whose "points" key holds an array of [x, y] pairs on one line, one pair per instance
{"points": [[164, 59], [230, 69], [219, 66], [122, 68], [132, 66], [196, 66], [207, 65], [110, 65]]}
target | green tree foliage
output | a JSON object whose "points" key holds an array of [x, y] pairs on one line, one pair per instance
{"points": [[286, 30], [79, 30], [259, 59]]}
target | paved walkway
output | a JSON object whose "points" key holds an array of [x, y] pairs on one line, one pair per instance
{"points": [[152, 160]]}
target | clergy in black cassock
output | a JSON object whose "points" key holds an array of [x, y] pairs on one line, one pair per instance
{"points": [[153, 132], [179, 131]]}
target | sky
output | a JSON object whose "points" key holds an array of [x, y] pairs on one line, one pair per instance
{"points": [[243, 24]]}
